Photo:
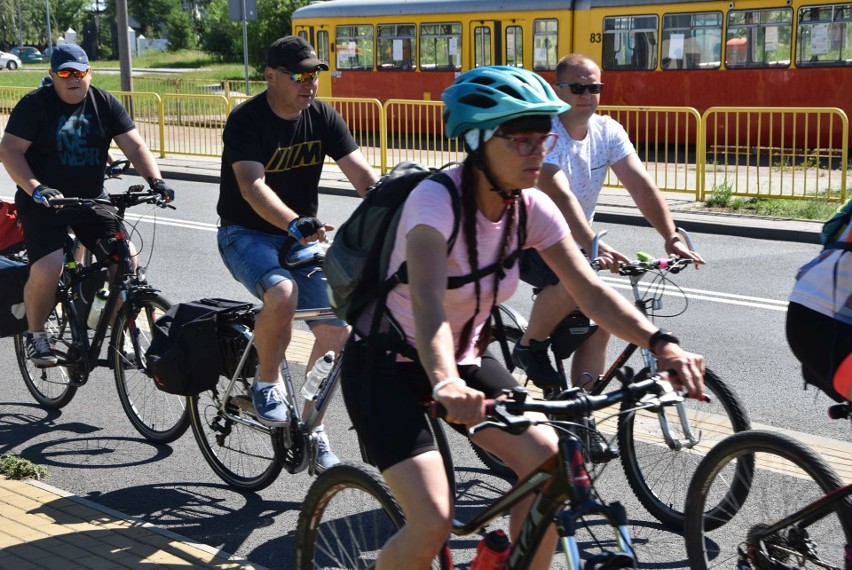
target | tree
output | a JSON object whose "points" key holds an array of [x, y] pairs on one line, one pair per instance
{"points": [[152, 14], [182, 34]]}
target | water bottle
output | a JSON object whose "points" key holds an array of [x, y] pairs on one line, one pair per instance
{"points": [[492, 552], [98, 304], [318, 373]]}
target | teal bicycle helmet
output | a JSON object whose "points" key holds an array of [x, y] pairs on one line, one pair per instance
{"points": [[486, 97]]}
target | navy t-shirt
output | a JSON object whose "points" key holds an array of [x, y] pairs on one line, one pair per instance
{"points": [[291, 150], [69, 142]]}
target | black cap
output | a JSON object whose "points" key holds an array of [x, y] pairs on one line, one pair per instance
{"points": [[69, 56], [294, 54]]}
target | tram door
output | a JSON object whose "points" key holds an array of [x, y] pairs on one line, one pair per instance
{"points": [[319, 38], [487, 47]]}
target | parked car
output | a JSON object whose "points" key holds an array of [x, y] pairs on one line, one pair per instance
{"points": [[27, 54], [9, 60]]}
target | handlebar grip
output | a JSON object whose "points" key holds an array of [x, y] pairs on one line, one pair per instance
{"points": [[310, 261]]}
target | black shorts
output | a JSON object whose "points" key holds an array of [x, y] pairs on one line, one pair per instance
{"points": [[46, 229], [535, 271], [386, 406], [820, 343]]}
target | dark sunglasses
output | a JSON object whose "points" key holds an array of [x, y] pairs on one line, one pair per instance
{"points": [[527, 146], [580, 88], [66, 73], [306, 77]]}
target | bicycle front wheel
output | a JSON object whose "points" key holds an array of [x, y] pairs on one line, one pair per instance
{"points": [[237, 447], [160, 417], [348, 515], [52, 387], [659, 473], [788, 476]]}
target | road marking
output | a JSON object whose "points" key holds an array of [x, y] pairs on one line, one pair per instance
{"points": [[702, 295]]}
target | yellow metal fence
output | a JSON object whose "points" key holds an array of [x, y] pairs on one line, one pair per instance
{"points": [[743, 151]]}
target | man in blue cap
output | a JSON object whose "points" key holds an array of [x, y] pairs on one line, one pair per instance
{"points": [[56, 144]]}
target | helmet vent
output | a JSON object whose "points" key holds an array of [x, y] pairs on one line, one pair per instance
{"points": [[477, 100]]}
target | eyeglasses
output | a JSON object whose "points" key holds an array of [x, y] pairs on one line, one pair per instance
{"points": [[580, 88], [66, 73], [527, 146], [305, 77]]}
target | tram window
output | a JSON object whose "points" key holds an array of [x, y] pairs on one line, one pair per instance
{"points": [[824, 36], [323, 51], [440, 47], [354, 47], [396, 46], [692, 41], [545, 45], [515, 46], [481, 46], [759, 38], [630, 43]]}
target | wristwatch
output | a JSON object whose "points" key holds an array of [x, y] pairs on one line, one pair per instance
{"points": [[658, 336]]}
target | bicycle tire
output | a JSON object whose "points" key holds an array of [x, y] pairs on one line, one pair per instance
{"points": [[347, 516], [242, 456], [659, 475], [52, 387], [789, 475], [159, 416]]}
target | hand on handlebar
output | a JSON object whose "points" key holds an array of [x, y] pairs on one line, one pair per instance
{"points": [[43, 195], [685, 369], [307, 229], [463, 405], [676, 247], [160, 187], [609, 258]]}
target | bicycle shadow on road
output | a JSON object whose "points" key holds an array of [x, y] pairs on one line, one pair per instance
{"points": [[18, 428]]}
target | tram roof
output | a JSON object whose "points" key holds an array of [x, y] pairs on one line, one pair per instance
{"points": [[360, 8]]}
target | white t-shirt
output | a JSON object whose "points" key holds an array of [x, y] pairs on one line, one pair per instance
{"points": [[825, 283], [586, 162], [430, 204]]}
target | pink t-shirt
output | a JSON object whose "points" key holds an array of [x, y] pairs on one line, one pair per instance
{"points": [[430, 204]]}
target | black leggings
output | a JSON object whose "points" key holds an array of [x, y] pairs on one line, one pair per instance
{"points": [[821, 343], [385, 401]]}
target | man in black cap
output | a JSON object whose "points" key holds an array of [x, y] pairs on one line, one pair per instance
{"points": [[56, 144], [275, 146]]}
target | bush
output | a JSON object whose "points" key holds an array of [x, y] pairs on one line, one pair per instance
{"points": [[15, 467]]}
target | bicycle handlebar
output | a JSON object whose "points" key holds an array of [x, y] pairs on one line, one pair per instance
{"points": [[315, 259], [135, 195], [507, 415], [645, 262]]}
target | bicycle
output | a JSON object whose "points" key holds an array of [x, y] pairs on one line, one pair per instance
{"points": [[658, 447], [242, 451], [134, 304], [797, 512], [349, 512]]}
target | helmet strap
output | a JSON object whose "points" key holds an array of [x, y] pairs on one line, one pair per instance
{"points": [[509, 196]]}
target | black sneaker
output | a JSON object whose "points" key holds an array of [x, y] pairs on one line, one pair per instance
{"points": [[535, 362], [39, 350]]}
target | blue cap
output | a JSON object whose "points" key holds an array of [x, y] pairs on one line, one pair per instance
{"points": [[68, 56]]}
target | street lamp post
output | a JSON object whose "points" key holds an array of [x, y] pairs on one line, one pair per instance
{"points": [[49, 32]]}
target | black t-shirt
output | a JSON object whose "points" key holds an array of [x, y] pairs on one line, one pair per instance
{"points": [[291, 150], [69, 142]]}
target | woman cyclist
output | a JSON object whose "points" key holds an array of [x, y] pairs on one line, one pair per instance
{"points": [[504, 115], [819, 316]]}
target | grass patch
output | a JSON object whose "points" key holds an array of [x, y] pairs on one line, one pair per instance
{"points": [[776, 207], [15, 467]]}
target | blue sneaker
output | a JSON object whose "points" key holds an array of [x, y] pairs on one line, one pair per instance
{"points": [[326, 459], [270, 405]]}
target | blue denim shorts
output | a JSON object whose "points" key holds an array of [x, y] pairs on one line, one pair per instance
{"points": [[252, 258]]}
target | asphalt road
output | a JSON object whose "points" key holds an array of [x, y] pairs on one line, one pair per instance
{"points": [[735, 317]]}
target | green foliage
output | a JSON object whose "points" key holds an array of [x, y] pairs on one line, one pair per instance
{"points": [[720, 195], [182, 34], [153, 14], [15, 467]]}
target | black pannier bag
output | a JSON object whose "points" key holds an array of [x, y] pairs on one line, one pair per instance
{"points": [[13, 277], [185, 356]]}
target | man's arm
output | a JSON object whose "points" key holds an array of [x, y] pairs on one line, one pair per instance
{"points": [[648, 198], [358, 171], [554, 183], [263, 200], [135, 149], [12, 151]]}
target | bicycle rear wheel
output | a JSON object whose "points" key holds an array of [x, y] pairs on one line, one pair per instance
{"points": [[238, 449], [788, 476], [51, 387], [659, 474], [160, 417], [348, 515]]}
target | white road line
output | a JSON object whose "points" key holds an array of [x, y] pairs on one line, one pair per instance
{"points": [[714, 296]]}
